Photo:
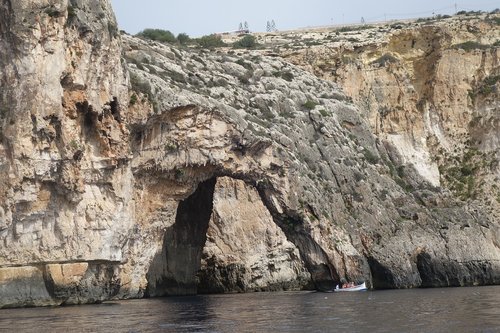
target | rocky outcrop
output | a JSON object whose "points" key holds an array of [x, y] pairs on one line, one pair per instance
{"points": [[329, 185], [430, 91], [220, 171], [65, 209], [245, 250]]}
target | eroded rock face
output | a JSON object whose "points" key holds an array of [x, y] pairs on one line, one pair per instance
{"points": [[245, 250], [329, 184], [430, 91], [64, 189], [220, 171]]}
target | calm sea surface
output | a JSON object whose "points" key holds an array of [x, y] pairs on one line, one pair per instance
{"points": [[423, 310]]}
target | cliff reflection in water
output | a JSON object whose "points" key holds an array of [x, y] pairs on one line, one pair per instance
{"points": [[419, 310]]}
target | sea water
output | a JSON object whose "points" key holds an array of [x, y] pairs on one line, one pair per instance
{"points": [[456, 310]]}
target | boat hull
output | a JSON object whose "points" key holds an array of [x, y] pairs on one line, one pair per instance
{"points": [[361, 287]]}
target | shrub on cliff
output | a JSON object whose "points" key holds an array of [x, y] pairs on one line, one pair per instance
{"points": [[183, 38], [210, 41], [384, 60], [286, 75], [158, 35], [470, 13], [486, 87], [355, 28], [470, 45], [247, 42], [309, 105]]}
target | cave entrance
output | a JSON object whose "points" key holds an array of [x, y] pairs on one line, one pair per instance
{"points": [[174, 271]]}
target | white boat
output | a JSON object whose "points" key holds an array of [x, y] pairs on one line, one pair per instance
{"points": [[360, 287]]}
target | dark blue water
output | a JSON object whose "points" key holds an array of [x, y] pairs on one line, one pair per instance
{"points": [[423, 310]]}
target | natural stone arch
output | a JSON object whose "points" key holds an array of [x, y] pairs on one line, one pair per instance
{"points": [[174, 269], [172, 145]]}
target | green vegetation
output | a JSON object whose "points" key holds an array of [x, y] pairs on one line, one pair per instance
{"points": [[141, 86], [470, 13], [243, 63], [291, 223], [247, 42], [312, 42], [384, 60], [355, 28], [486, 87], [133, 99], [179, 174], [398, 174], [285, 75], [71, 12], [183, 39], [493, 20], [309, 105], [460, 175], [470, 45], [52, 12], [423, 19], [113, 29], [210, 41], [3, 112], [159, 35], [434, 18], [170, 146], [245, 78], [371, 157], [74, 144], [165, 36], [324, 113]]}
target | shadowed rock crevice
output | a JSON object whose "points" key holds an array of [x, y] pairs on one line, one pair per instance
{"points": [[382, 277], [323, 274], [173, 271], [447, 273], [245, 249]]}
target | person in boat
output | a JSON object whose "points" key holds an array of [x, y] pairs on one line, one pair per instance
{"points": [[348, 284]]}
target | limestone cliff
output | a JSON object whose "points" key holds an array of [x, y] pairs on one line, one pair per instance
{"points": [[428, 89], [212, 171], [65, 208]]}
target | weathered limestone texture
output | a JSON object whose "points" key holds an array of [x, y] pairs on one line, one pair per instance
{"points": [[245, 246], [429, 90], [64, 188], [131, 168]]}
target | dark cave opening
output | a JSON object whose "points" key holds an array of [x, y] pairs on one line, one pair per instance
{"points": [[173, 272]]}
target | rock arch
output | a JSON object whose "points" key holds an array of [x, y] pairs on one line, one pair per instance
{"points": [[170, 148]]}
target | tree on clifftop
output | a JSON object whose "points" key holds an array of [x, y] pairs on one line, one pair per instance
{"points": [[158, 35]]}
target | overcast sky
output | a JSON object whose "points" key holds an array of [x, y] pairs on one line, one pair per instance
{"points": [[202, 17]]}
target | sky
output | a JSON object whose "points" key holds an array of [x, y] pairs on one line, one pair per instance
{"points": [[203, 17]]}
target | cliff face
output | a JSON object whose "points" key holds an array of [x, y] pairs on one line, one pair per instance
{"points": [[222, 171], [64, 205], [430, 91]]}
